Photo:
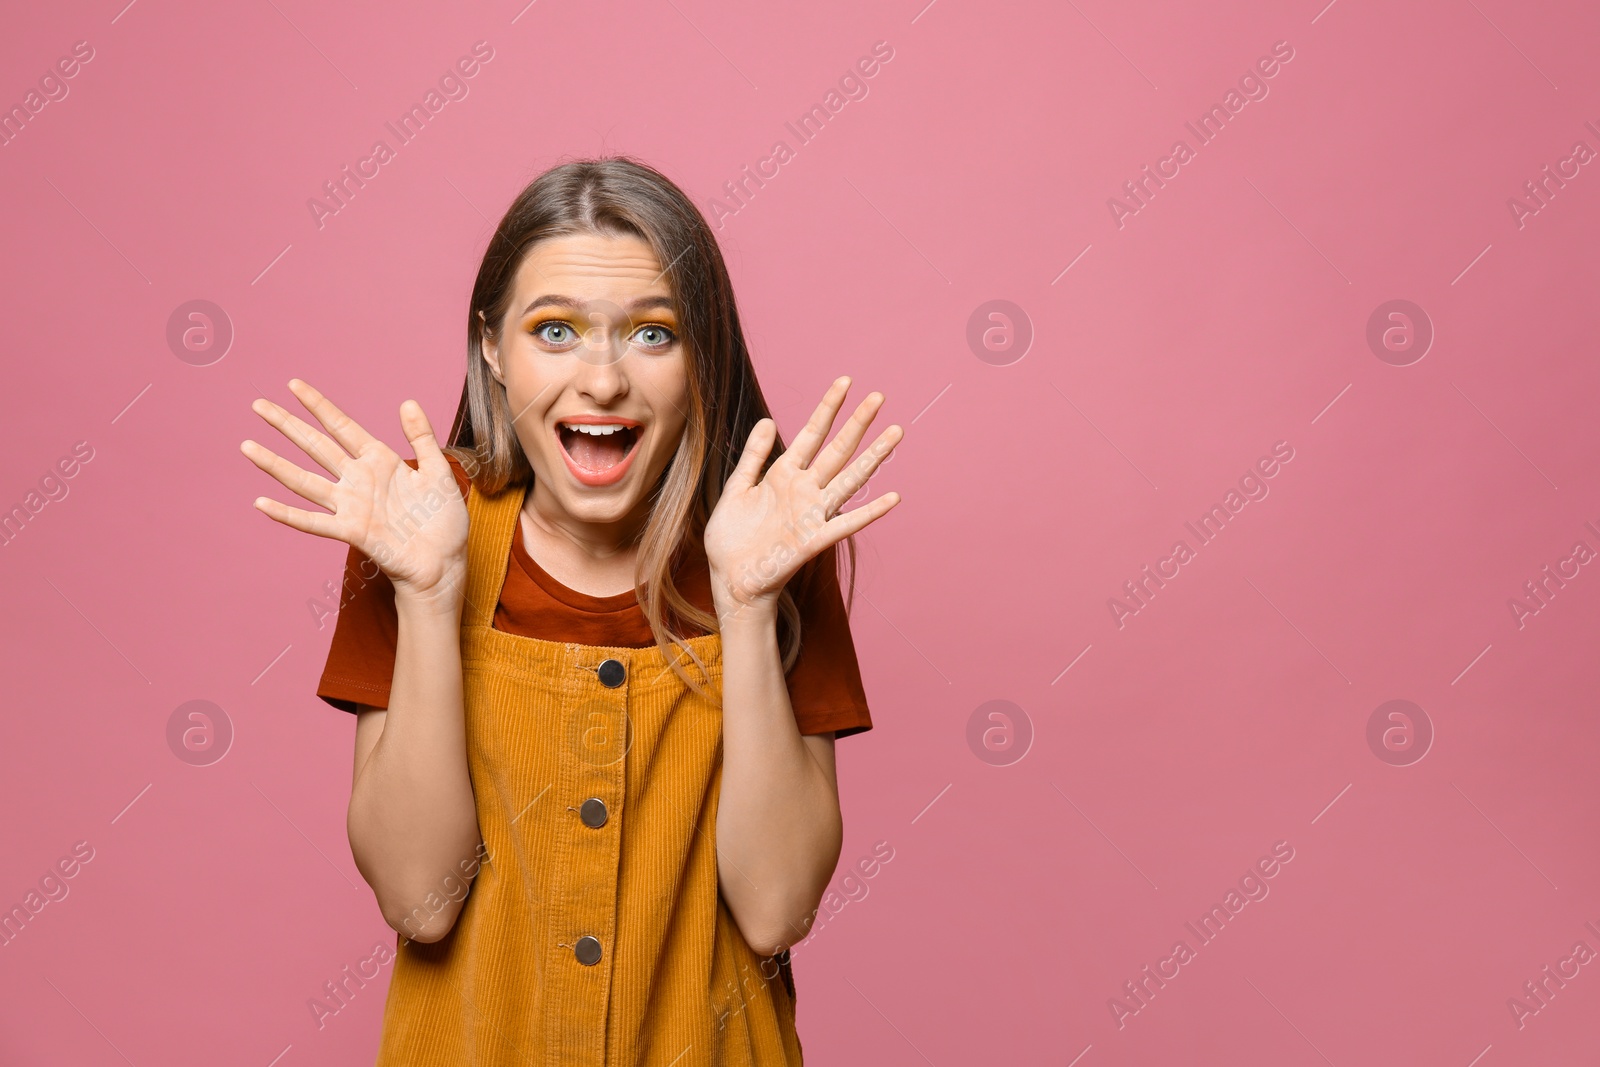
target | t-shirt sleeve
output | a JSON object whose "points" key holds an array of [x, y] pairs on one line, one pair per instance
{"points": [[825, 687], [360, 663], [825, 683]]}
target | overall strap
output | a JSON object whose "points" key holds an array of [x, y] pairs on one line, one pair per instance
{"points": [[491, 524]]}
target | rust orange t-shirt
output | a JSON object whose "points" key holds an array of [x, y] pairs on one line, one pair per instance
{"points": [[825, 686]]}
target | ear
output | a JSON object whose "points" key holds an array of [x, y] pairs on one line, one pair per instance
{"points": [[491, 350]]}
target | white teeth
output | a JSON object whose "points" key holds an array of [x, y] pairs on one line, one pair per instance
{"points": [[596, 430]]}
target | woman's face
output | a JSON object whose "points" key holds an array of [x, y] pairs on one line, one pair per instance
{"points": [[595, 374]]}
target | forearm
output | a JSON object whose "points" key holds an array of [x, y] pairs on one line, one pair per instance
{"points": [[779, 828], [412, 819]]}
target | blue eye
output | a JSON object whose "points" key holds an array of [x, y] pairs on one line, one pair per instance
{"points": [[555, 333], [561, 335], [654, 336]]}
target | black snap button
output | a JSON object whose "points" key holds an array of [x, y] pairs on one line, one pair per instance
{"points": [[587, 950], [612, 673], [593, 813]]}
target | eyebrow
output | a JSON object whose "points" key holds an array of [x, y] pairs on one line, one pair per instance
{"points": [[643, 303]]}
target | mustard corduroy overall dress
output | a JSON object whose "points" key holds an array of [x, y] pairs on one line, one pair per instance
{"points": [[594, 932]]}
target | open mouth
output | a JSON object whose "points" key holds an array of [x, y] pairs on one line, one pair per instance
{"points": [[598, 447]]}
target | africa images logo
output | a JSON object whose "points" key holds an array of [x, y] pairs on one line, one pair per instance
{"points": [[453, 85], [852, 85], [1140, 592], [1207, 128], [1138, 992]]}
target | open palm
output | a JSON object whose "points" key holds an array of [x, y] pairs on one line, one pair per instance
{"points": [[763, 531], [410, 521]]}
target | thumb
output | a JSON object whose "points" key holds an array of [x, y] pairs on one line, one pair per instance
{"points": [[756, 449], [419, 431]]}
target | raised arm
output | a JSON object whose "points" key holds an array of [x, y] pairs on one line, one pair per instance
{"points": [[412, 822], [779, 827]]}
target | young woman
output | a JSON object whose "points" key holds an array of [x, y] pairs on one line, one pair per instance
{"points": [[598, 652]]}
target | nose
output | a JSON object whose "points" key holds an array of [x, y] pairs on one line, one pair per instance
{"points": [[601, 371], [605, 336]]}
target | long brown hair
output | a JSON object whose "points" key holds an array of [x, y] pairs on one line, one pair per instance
{"points": [[616, 196]]}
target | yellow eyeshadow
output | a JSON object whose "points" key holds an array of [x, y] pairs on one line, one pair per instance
{"points": [[538, 319]]}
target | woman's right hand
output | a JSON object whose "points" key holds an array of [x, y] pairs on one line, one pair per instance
{"points": [[411, 522]]}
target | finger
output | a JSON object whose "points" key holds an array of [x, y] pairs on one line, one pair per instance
{"points": [[312, 487], [849, 482], [329, 456], [857, 519], [419, 431], [831, 460], [344, 429], [811, 436], [756, 449], [311, 522]]}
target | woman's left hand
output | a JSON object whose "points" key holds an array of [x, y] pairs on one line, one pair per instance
{"points": [[762, 532]]}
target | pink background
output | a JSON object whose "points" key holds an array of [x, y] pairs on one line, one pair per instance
{"points": [[1229, 313]]}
